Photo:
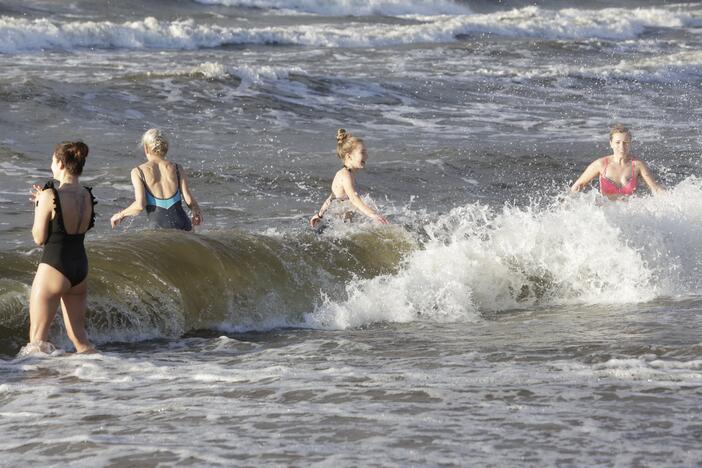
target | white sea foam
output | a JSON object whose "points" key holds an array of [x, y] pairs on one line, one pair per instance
{"points": [[667, 372], [664, 68], [19, 34], [211, 70], [578, 251], [352, 7]]}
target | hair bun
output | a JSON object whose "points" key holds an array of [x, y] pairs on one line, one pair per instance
{"points": [[341, 135], [81, 150]]}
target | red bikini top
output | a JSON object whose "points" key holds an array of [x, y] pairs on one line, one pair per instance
{"points": [[609, 187]]}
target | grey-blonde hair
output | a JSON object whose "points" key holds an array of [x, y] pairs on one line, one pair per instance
{"points": [[155, 141]]}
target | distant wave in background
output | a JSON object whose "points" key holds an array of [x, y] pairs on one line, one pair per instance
{"points": [[20, 34], [352, 7]]}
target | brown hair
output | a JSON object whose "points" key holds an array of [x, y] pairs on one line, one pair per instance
{"points": [[619, 128], [73, 155], [346, 143]]}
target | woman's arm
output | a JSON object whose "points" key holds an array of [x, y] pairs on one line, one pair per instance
{"points": [[349, 185], [137, 205], [323, 209], [647, 176], [44, 206], [189, 198], [586, 177]]}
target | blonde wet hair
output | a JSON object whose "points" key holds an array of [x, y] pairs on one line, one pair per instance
{"points": [[619, 128], [346, 143], [155, 141]]}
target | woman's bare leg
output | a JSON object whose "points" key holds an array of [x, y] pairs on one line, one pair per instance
{"points": [[47, 288], [73, 305]]}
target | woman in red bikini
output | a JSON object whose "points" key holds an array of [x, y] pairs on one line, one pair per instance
{"points": [[619, 172]]}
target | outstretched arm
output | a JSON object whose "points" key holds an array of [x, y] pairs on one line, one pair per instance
{"points": [[137, 205], [586, 177], [349, 185], [647, 176], [189, 198]]}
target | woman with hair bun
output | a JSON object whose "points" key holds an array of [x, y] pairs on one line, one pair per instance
{"points": [[153, 181], [352, 151], [61, 218], [618, 172]]}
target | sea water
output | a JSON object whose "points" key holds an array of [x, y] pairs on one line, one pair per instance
{"points": [[496, 321]]}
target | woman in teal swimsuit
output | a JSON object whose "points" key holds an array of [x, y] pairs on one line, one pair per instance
{"points": [[153, 181]]}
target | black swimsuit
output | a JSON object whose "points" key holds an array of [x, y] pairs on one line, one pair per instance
{"points": [[64, 251], [167, 213]]}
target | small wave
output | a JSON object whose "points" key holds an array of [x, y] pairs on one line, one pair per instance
{"points": [[247, 74], [20, 34], [685, 66]]}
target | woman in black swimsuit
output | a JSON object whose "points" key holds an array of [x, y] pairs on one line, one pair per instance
{"points": [[160, 187], [61, 218]]}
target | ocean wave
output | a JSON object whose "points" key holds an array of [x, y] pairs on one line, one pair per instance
{"points": [[473, 260], [668, 68], [351, 7], [246, 74], [19, 34], [573, 252], [163, 284]]}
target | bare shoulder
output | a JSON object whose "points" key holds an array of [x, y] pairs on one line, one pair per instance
{"points": [[46, 195], [343, 174], [640, 165]]}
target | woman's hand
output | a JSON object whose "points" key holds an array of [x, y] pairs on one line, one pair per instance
{"points": [[197, 218], [34, 194], [116, 219], [315, 220]]}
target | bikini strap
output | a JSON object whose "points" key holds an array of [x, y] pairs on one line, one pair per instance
{"points": [[604, 169]]}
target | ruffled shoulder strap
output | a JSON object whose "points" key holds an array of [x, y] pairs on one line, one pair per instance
{"points": [[57, 203], [94, 202]]}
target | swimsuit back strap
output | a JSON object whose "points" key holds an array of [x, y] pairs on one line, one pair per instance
{"points": [[150, 198], [81, 209], [94, 202], [178, 176], [141, 176]]}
